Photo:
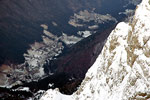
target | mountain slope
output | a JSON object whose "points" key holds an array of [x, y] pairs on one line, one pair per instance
{"points": [[122, 69], [20, 21]]}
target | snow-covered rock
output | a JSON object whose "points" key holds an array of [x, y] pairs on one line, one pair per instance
{"points": [[55, 95], [122, 70]]}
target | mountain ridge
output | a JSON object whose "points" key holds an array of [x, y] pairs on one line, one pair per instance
{"points": [[121, 70]]}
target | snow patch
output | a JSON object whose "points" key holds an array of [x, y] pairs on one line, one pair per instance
{"points": [[69, 40], [84, 33]]}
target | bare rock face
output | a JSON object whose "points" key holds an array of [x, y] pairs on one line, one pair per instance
{"points": [[121, 72]]}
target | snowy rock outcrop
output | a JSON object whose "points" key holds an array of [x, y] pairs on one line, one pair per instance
{"points": [[122, 70]]}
